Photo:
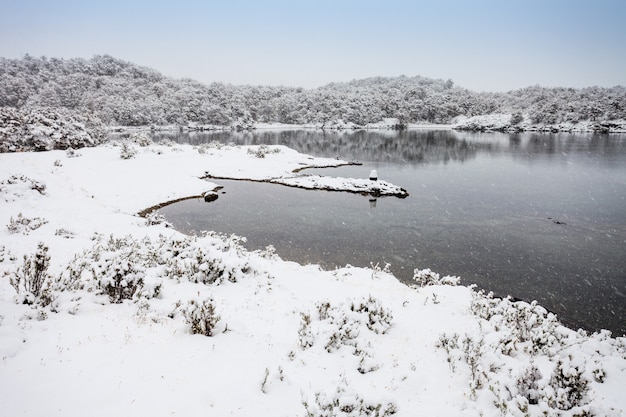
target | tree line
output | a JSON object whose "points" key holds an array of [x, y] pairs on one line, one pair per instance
{"points": [[118, 92]]}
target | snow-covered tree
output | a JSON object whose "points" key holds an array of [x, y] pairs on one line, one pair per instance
{"points": [[120, 92]]}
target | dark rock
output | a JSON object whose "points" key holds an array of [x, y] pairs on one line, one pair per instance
{"points": [[208, 197]]}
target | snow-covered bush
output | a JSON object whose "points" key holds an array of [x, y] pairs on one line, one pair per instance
{"points": [[201, 266], [29, 279], [346, 331], [45, 129], [367, 363], [344, 325], [268, 253], [141, 138], [201, 316], [118, 276], [517, 339], [71, 153], [525, 326], [449, 343], [528, 384], [485, 305], [67, 234], [155, 218], [118, 266], [378, 317], [426, 277], [516, 118], [208, 148], [487, 123], [472, 353], [563, 394], [569, 384], [127, 151], [25, 225], [377, 270], [345, 403], [323, 307], [305, 337], [599, 374], [18, 184], [77, 274], [4, 253], [262, 150], [209, 264]]}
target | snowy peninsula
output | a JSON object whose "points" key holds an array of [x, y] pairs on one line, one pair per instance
{"points": [[105, 312]]}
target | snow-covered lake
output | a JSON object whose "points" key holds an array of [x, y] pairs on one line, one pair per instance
{"points": [[536, 216]]}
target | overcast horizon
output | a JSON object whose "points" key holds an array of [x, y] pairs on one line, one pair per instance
{"points": [[483, 46]]}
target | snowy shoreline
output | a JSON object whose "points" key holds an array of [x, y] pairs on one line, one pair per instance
{"points": [[482, 123], [508, 123], [123, 294], [383, 125]]}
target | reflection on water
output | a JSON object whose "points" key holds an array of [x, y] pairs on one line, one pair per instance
{"points": [[414, 146], [534, 216]]}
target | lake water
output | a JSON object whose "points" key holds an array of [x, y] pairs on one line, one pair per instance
{"points": [[535, 216]]}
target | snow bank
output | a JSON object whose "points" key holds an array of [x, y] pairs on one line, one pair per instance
{"points": [[522, 123], [355, 185], [118, 325]]}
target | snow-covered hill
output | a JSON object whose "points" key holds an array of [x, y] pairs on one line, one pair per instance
{"points": [[123, 93]]}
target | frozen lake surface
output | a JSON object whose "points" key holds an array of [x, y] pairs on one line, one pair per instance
{"points": [[535, 216]]}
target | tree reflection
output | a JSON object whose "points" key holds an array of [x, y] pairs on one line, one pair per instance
{"points": [[418, 146]]}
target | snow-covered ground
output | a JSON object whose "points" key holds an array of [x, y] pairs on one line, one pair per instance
{"points": [[99, 306]]}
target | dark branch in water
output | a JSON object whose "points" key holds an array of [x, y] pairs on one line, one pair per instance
{"points": [[295, 171], [145, 212]]}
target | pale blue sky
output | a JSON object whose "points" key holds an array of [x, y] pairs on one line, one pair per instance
{"points": [[484, 45]]}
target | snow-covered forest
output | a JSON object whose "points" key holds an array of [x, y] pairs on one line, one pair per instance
{"points": [[121, 93]]}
